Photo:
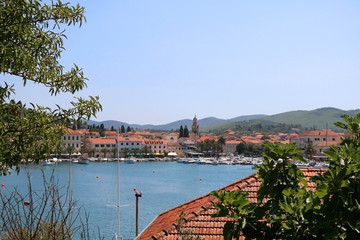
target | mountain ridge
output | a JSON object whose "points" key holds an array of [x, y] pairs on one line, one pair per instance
{"points": [[317, 118]]}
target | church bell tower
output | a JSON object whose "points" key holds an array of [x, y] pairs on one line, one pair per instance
{"points": [[195, 127]]}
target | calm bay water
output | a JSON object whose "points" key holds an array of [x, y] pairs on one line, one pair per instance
{"points": [[164, 185]]}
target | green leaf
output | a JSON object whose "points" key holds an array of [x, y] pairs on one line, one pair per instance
{"points": [[228, 230]]}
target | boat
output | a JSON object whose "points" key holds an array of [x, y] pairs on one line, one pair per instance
{"points": [[190, 161], [47, 163], [131, 160], [74, 160], [214, 162], [55, 160], [201, 161], [84, 161]]}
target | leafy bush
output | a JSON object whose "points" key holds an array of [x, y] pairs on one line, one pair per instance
{"points": [[287, 209]]}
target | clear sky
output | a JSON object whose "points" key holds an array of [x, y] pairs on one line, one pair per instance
{"points": [[158, 61]]}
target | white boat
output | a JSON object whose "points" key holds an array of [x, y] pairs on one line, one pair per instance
{"points": [[74, 160], [214, 162], [84, 161], [190, 161], [201, 161], [180, 160], [131, 160], [47, 163]]}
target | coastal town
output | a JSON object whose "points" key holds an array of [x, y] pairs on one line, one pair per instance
{"points": [[276, 157], [140, 145]]}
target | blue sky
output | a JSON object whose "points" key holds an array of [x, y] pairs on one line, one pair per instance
{"points": [[158, 61]]}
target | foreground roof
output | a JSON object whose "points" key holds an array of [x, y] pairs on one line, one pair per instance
{"points": [[198, 212]]}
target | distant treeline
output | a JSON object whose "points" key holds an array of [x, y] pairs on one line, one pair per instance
{"points": [[265, 127]]}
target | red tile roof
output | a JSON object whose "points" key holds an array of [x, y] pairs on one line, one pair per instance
{"points": [[198, 219], [233, 142], [322, 132], [110, 133], [70, 131], [101, 141]]}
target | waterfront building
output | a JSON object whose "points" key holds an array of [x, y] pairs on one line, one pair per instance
{"points": [[99, 144], [130, 143], [157, 146], [175, 147], [72, 138], [230, 146], [189, 146]]}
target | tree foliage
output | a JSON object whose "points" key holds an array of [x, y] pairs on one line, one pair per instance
{"points": [[31, 42], [186, 131], [181, 132], [122, 130], [310, 150], [211, 147], [264, 127], [250, 149], [287, 209]]}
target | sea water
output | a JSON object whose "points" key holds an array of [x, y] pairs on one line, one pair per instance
{"points": [[163, 185]]}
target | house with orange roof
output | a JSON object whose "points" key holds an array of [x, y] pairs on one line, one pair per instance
{"points": [[110, 134], [90, 134], [294, 137], [251, 139], [169, 136], [203, 138], [231, 138], [198, 213], [73, 138], [157, 146], [99, 144], [281, 138], [321, 139], [130, 143], [175, 147], [230, 146]]}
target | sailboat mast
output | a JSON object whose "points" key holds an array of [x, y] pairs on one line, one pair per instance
{"points": [[118, 185]]}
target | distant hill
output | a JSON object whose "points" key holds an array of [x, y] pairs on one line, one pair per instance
{"points": [[317, 119], [203, 123], [314, 119]]}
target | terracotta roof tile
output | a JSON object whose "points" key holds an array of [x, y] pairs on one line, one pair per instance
{"points": [[101, 141], [322, 132], [69, 131], [198, 213]]}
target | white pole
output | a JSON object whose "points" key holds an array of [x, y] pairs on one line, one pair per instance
{"points": [[118, 184]]}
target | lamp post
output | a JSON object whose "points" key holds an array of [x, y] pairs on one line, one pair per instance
{"points": [[137, 195]]}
